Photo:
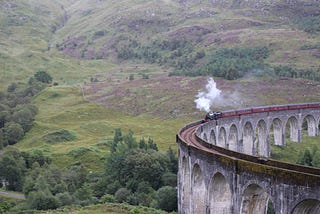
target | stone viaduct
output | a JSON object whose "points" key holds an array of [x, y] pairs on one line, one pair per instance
{"points": [[224, 164]]}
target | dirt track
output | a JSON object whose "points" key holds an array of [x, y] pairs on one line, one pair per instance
{"points": [[12, 195]]}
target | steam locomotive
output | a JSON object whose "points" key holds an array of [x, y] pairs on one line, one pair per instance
{"points": [[212, 116], [237, 113]]}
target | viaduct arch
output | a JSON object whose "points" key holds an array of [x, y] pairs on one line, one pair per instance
{"points": [[224, 164]]}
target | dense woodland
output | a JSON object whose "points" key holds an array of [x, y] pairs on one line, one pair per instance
{"points": [[16, 110], [135, 173]]}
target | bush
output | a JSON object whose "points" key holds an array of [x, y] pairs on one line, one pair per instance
{"points": [[14, 132], [42, 201], [286, 71], [169, 179], [60, 135], [229, 63], [43, 76], [107, 198], [78, 152], [84, 193], [122, 195], [12, 87], [310, 24], [167, 198], [5, 206], [64, 199]]}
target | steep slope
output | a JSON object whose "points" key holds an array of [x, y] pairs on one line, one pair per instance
{"points": [[101, 29], [73, 40], [26, 29], [27, 36]]}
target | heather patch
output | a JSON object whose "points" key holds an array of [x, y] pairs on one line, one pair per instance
{"points": [[229, 37], [193, 33]]}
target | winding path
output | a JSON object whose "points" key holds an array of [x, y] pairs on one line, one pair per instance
{"points": [[12, 195]]}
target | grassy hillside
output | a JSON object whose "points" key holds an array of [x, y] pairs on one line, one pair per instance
{"points": [[74, 40], [111, 63], [88, 128], [106, 208], [81, 44]]}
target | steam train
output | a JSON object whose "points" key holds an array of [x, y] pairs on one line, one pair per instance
{"points": [[212, 116], [237, 113]]}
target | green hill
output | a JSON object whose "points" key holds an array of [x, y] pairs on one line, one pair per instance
{"points": [[138, 65], [120, 53], [75, 40]]}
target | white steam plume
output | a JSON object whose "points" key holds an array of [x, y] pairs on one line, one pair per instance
{"points": [[205, 98]]}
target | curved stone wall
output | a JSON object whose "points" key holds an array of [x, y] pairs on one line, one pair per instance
{"points": [[224, 165], [250, 133]]}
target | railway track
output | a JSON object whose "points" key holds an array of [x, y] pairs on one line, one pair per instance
{"points": [[189, 137]]}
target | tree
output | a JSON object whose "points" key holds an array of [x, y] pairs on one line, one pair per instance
{"points": [[122, 195], [305, 158], [142, 144], [24, 117], [147, 166], [12, 169], [316, 159], [3, 139], [4, 117], [116, 139], [43, 76], [12, 87], [130, 141], [84, 193], [64, 198], [152, 145], [167, 198], [35, 156], [14, 132], [173, 160], [169, 179], [42, 201], [75, 177]]}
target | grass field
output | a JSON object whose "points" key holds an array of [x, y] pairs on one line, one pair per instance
{"points": [[108, 208], [93, 125], [291, 152]]}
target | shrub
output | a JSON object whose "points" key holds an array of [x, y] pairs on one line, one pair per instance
{"points": [[60, 135], [84, 193], [122, 195], [42, 201], [229, 63], [12, 87], [107, 198], [310, 24], [43, 76], [167, 198], [64, 198], [14, 132], [78, 152]]}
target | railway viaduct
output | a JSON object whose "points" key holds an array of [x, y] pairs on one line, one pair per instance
{"points": [[224, 164]]}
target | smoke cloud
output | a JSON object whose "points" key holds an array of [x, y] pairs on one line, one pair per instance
{"points": [[206, 98]]}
